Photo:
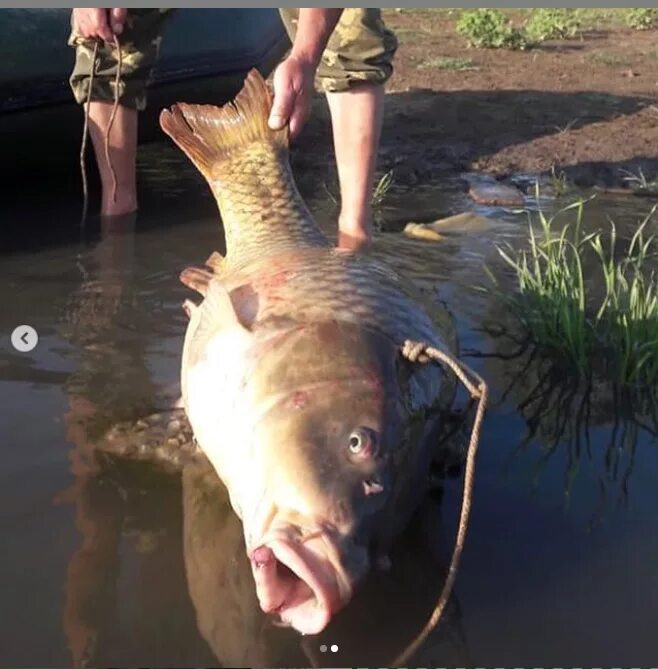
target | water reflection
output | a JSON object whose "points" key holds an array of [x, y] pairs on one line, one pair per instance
{"points": [[584, 423], [112, 377]]}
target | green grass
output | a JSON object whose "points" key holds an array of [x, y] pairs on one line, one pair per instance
{"points": [[642, 19], [559, 182], [552, 24], [381, 189], [447, 63], [615, 335], [525, 28], [639, 182], [490, 29]]}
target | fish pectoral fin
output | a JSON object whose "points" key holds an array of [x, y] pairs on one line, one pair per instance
{"points": [[215, 261], [218, 309], [196, 279]]}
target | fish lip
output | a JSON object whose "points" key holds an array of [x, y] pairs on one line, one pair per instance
{"points": [[330, 594]]}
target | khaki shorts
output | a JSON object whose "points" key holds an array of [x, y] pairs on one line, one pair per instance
{"points": [[361, 49]]}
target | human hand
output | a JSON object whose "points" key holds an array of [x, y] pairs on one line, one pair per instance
{"points": [[93, 23], [293, 91]]}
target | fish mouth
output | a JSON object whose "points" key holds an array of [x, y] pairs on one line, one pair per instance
{"points": [[298, 581]]}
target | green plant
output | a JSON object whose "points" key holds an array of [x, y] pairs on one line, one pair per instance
{"points": [[382, 188], [642, 19], [490, 29], [639, 180], [617, 334], [550, 302], [546, 24], [559, 182], [627, 318]]}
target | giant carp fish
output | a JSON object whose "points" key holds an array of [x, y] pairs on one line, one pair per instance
{"points": [[293, 373]]}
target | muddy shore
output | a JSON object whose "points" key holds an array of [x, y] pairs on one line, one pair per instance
{"points": [[585, 109]]}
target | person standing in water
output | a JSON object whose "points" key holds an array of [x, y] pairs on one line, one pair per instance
{"points": [[346, 53]]}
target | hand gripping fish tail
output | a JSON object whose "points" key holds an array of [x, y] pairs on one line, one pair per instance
{"points": [[208, 135]]}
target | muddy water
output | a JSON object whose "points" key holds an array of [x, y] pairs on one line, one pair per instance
{"points": [[110, 563]]}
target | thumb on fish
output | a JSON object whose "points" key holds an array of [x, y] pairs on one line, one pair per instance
{"points": [[284, 101]]}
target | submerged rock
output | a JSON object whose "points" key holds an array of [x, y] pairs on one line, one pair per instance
{"points": [[422, 231], [467, 221], [496, 194], [163, 438]]}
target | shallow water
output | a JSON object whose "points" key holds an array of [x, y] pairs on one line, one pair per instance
{"points": [[108, 565]]}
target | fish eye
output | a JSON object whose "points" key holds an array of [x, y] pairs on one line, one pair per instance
{"points": [[361, 442], [356, 442]]}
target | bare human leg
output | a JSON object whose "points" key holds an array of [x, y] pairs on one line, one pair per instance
{"points": [[356, 117], [122, 154]]}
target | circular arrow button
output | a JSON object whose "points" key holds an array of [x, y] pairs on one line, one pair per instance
{"points": [[24, 338]]}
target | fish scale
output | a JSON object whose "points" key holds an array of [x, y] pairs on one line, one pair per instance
{"points": [[329, 284], [261, 209]]}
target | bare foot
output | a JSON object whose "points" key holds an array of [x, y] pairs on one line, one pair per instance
{"points": [[355, 234], [124, 204], [355, 243]]}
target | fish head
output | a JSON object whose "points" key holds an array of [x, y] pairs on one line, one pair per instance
{"points": [[331, 445]]}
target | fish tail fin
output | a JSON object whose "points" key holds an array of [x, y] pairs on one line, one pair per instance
{"points": [[208, 135]]}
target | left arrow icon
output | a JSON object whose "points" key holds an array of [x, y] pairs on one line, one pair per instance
{"points": [[24, 338]]}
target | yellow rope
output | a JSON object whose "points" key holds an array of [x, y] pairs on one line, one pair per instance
{"points": [[418, 352]]}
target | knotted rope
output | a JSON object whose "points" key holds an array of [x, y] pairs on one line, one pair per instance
{"points": [[423, 353]]}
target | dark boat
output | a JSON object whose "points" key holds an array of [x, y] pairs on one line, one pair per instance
{"points": [[204, 57]]}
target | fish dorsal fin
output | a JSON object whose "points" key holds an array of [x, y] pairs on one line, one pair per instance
{"points": [[209, 135]]}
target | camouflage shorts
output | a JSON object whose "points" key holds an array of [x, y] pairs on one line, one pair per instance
{"points": [[140, 46], [360, 49]]}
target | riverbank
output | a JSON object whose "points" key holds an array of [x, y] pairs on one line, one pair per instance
{"points": [[584, 110]]}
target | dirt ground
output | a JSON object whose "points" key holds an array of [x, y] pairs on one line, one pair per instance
{"points": [[585, 107]]}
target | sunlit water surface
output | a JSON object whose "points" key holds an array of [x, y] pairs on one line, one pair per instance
{"points": [[560, 562]]}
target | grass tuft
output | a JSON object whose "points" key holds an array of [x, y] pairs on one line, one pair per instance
{"points": [[382, 188], [616, 334]]}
